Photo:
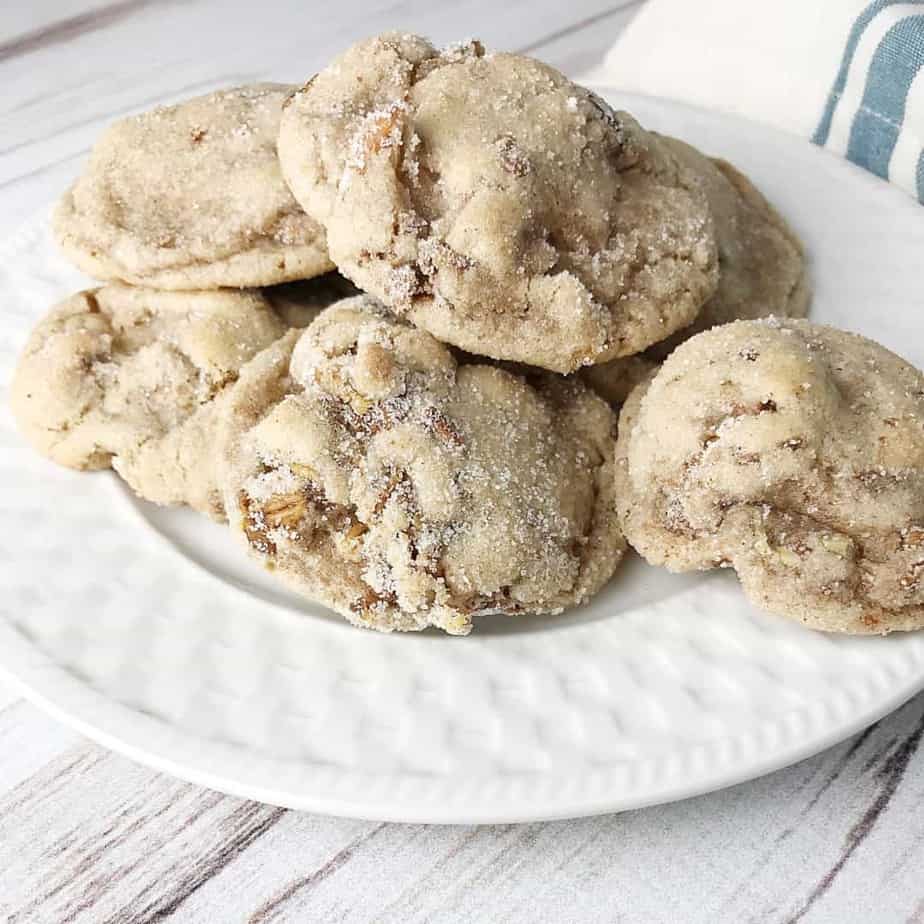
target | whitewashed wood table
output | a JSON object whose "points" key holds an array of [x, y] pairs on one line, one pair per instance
{"points": [[86, 836]]}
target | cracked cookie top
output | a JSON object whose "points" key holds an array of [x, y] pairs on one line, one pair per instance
{"points": [[191, 197], [793, 453], [133, 378], [405, 490], [496, 204]]}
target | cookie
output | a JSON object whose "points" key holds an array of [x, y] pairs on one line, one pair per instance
{"points": [[135, 379], [793, 453], [497, 205], [405, 490], [191, 197], [762, 269]]}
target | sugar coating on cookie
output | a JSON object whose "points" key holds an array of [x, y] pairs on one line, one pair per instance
{"points": [[134, 379], [405, 490], [793, 453], [191, 197], [496, 204], [762, 269]]}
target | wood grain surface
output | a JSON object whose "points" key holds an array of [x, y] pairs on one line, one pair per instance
{"points": [[91, 837], [87, 836]]}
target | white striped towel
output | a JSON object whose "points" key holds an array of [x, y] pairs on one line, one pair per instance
{"points": [[848, 74]]}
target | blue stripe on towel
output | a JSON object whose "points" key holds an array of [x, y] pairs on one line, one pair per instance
{"points": [[853, 39], [878, 122], [920, 178]]}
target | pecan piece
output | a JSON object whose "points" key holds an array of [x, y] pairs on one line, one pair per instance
{"points": [[513, 159], [285, 510], [443, 427]]}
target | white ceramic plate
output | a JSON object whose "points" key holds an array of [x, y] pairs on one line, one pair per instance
{"points": [[147, 630]]}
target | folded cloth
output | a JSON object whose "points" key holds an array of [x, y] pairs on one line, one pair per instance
{"points": [[847, 74]]}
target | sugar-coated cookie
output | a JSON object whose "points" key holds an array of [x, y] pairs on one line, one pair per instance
{"points": [[793, 453], [497, 205], [191, 197], [405, 490], [135, 378]]}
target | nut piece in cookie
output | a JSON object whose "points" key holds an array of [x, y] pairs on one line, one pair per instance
{"points": [[191, 197], [497, 205], [762, 268], [793, 453], [135, 378], [405, 490]]}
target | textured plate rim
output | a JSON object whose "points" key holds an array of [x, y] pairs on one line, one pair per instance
{"points": [[117, 728]]}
